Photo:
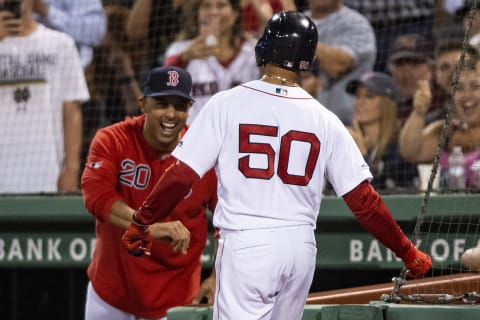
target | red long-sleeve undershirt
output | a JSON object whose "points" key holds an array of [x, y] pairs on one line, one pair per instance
{"points": [[372, 213]]}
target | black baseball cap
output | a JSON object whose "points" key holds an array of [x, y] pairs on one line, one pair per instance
{"points": [[411, 46], [377, 82], [168, 81]]}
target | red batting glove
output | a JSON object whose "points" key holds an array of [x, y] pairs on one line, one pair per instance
{"points": [[137, 239], [417, 262]]}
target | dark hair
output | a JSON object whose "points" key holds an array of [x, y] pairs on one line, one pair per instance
{"points": [[451, 44]]}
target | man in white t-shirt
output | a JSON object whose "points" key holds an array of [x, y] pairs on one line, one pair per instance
{"points": [[271, 144], [41, 87]]}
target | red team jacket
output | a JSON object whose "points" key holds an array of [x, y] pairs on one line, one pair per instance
{"points": [[122, 165]]}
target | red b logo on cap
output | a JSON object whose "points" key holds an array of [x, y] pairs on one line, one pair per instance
{"points": [[173, 77]]}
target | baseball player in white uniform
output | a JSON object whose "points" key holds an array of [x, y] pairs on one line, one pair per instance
{"points": [[271, 144]]}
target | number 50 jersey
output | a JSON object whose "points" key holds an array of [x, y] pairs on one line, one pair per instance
{"points": [[272, 147]]}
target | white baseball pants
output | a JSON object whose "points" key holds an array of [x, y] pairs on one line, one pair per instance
{"points": [[264, 273]]}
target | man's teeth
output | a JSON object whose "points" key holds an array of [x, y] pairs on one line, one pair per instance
{"points": [[168, 125]]}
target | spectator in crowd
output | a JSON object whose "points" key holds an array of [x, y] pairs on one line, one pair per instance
{"points": [[125, 161], [391, 19], [111, 77], [42, 85], [410, 63], [421, 79], [375, 130], [213, 48], [346, 50], [83, 20], [418, 141], [446, 57], [114, 70], [156, 23]]}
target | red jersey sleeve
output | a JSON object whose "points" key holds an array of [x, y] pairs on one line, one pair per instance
{"points": [[100, 176]]}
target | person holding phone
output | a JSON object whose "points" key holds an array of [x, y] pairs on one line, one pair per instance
{"points": [[42, 86]]}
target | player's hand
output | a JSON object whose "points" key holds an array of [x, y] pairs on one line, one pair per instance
{"points": [[206, 291], [174, 232], [417, 263], [137, 239]]}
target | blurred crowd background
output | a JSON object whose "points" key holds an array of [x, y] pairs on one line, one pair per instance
{"points": [[386, 68]]}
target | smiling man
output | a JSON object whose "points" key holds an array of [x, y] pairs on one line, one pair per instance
{"points": [[124, 163]]}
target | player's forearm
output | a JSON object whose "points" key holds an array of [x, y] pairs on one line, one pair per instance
{"points": [[173, 186], [121, 214], [72, 130], [372, 213]]}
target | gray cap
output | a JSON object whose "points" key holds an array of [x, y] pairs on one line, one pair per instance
{"points": [[168, 81], [377, 82]]}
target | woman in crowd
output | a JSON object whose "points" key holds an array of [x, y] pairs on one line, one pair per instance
{"points": [[375, 130], [418, 142], [213, 48]]}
